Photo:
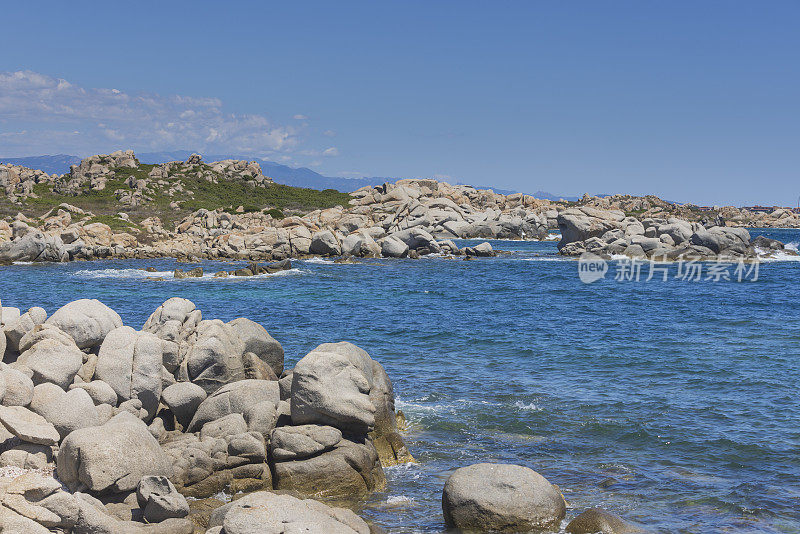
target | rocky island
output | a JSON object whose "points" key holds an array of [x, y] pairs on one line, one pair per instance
{"points": [[112, 206]]}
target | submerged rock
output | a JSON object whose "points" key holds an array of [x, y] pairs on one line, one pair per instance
{"points": [[596, 520]]}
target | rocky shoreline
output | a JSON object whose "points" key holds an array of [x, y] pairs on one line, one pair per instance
{"points": [[612, 233], [409, 218], [106, 429]]}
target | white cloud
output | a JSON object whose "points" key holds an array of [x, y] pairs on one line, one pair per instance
{"points": [[330, 152], [46, 113], [329, 133], [300, 117]]}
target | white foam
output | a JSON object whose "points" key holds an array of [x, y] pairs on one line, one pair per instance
{"points": [[770, 256], [121, 273], [319, 260], [552, 237], [399, 499], [138, 274], [546, 258], [532, 407]]}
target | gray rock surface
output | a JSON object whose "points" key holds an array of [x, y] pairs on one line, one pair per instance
{"points": [[331, 386], [53, 362], [159, 499], [87, 321], [183, 398], [23, 325], [349, 470], [324, 243], [298, 442], [236, 397], [99, 391], [596, 520], [268, 513], [18, 387], [130, 362], [28, 426], [501, 497], [175, 323], [111, 458], [215, 359], [66, 411], [257, 340]]}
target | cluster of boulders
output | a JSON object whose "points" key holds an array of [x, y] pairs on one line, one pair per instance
{"points": [[131, 422], [17, 182], [651, 206], [92, 173], [611, 232]]}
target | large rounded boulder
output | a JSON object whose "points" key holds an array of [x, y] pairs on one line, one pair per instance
{"points": [[501, 497], [266, 512], [53, 359], [331, 385], [111, 458], [130, 362], [87, 321]]}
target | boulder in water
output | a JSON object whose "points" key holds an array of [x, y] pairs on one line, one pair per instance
{"points": [[501, 497]]}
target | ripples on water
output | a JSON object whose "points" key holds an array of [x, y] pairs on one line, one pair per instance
{"points": [[671, 403]]}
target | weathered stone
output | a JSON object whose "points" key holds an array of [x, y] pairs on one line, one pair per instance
{"points": [[257, 340], [111, 458], [18, 387], [86, 321], [215, 359], [53, 362], [183, 398], [348, 470], [66, 411], [130, 362], [597, 520], [26, 322], [270, 513], [236, 397], [501, 497], [331, 386], [160, 500], [297, 442], [28, 426]]}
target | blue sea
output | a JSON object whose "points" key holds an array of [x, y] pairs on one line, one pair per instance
{"points": [[673, 403]]}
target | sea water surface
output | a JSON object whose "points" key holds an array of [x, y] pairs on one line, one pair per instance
{"points": [[672, 403]]}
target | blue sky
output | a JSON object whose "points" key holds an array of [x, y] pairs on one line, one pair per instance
{"points": [[693, 101]]}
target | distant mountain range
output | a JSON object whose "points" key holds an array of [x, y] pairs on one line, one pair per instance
{"points": [[57, 164], [283, 174]]}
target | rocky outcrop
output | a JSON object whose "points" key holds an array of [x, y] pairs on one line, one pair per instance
{"points": [[609, 233], [501, 497]]}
